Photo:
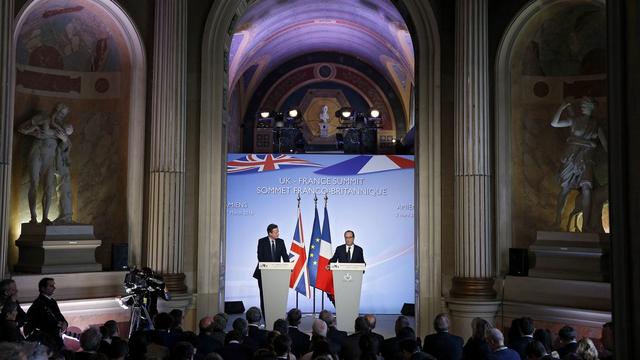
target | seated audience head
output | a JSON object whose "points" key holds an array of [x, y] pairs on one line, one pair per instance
{"points": [[587, 350], [282, 345], [479, 327], [220, 322], [12, 351], [8, 289], [361, 324], [138, 343], [264, 354], [35, 351], [109, 329], [320, 346], [514, 330], [567, 335], [118, 350], [526, 326], [182, 351], [545, 337], [607, 336], [408, 346], [253, 315], [205, 324], [214, 356], [90, 339], [47, 286], [368, 343], [241, 326], [535, 350], [9, 310], [401, 322], [176, 316], [163, 321], [371, 319], [494, 338], [406, 333], [319, 328], [294, 316], [326, 316], [234, 335], [281, 326], [441, 322]]}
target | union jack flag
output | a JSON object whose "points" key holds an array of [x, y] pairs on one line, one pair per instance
{"points": [[300, 275], [254, 163]]}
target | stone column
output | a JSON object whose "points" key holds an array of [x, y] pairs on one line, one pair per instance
{"points": [[473, 231], [472, 294], [167, 154], [7, 73]]}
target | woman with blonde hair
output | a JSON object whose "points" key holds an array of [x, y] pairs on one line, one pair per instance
{"points": [[587, 350]]}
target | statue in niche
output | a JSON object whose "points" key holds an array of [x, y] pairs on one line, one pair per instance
{"points": [[49, 154], [324, 121], [578, 161]]}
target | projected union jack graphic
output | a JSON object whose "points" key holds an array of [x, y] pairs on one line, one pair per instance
{"points": [[254, 163]]}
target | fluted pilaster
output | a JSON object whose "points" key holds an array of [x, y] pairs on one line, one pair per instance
{"points": [[167, 155], [7, 71], [473, 231]]}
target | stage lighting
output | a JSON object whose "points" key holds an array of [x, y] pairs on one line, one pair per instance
{"points": [[293, 113], [344, 113], [374, 113], [265, 114]]}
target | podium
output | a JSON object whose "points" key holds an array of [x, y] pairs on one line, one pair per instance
{"points": [[347, 284], [275, 290]]}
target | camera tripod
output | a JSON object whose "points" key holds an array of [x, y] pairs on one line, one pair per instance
{"points": [[140, 318]]}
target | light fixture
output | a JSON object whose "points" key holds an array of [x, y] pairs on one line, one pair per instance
{"points": [[293, 113], [374, 113], [265, 114]]}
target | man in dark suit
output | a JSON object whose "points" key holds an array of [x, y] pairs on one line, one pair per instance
{"points": [[351, 345], [299, 341], [443, 345], [525, 332], [336, 337], [371, 319], [257, 335], [270, 249], [495, 340], [44, 318], [567, 343], [391, 346], [349, 252]]}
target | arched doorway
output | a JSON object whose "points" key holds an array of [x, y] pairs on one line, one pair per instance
{"points": [[214, 121]]}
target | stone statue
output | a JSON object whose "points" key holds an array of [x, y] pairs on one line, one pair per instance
{"points": [[578, 162], [47, 131], [63, 165], [324, 121]]}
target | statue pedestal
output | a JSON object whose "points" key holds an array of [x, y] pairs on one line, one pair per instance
{"points": [[48, 249], [570, 256]]}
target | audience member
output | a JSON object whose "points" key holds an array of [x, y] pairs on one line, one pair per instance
{"points": [[9, 330], [535, 350], [90, 341], [109, 331], [587, 350], [320, 347], [11, 351], [476, 347], [320, 344], [264, 354], [177, 316], [391, 346], [9, 292], [495, 339], [182, 350], [299, 341], [351, 344], [206, 342], [546, 338], [255, 333], [219, 326], [281, 326], [443, 345], [369, 347], [234, 348], [282, 347], [567, 343], [606, 350], [525, 336], [45, 322], [371, 319], [119, 349], [336, 337], [138, 342]]}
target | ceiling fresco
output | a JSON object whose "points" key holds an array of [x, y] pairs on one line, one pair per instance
{"points": [[373, 32]]}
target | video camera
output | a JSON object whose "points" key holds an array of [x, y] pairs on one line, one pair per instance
{"points": [[140, 284]]}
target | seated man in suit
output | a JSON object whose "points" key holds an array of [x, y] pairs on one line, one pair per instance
{"points": [[525, 336], [567, 343], [336, 337], [270, 249], [257, 335], [349, 252], [351, 344], [299, 341], [443, 345], [495, 339]]}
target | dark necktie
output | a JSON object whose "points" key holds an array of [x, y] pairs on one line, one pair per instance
{"points": [[349, 254], [273, 250]]}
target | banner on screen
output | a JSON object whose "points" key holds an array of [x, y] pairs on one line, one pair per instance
{"points": [[369, 194]]}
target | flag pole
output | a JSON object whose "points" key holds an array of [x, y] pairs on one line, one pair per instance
{"points": [[315, 202], [297, 293], [326, 198]]}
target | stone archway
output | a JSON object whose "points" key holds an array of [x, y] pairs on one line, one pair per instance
{"points": [[134, 107], [212, 155]]}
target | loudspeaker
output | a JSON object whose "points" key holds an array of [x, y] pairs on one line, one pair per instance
{"points": [[518, 262], [408, 309], [119, 257], [233, 307]]}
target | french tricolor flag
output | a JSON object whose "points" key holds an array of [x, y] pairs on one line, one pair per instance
{"points": [[324, 280]]}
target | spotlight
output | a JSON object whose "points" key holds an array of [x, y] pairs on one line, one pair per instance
{"points": [[346, 113], [293, 113], [265, 114], [374, 113]]}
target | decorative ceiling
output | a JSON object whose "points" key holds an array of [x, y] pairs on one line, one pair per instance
{"points": [[272, 32]]}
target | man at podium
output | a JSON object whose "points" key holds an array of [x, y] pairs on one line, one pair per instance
{"points": [[349, 252], [270, 249]]}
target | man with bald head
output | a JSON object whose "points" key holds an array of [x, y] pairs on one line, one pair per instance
{"points": [[206, 342], [495, 340], [443, 345]]}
